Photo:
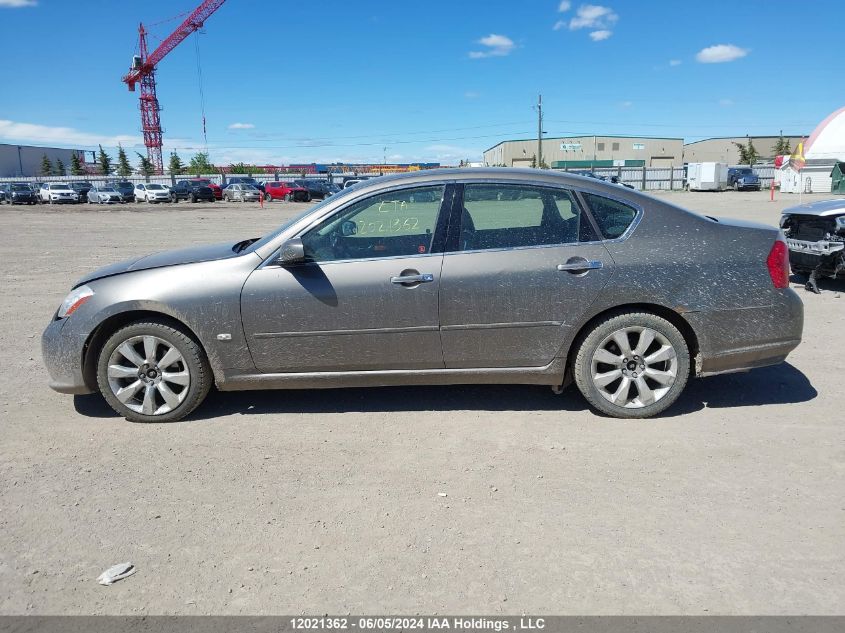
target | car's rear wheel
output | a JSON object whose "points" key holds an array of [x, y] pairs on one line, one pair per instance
{"points": [[153, 372], [632, 365], [268, 197], [287, 197]]}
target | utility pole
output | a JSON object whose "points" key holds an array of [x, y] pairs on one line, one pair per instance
{"points": [[539, 131]]}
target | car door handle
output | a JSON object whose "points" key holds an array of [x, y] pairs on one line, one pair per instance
{"points": [[579, 264], [412, 279]]}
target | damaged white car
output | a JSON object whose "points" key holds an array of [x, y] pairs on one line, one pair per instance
{"points": [[815, 234]]}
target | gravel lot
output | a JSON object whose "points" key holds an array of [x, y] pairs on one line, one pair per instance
{"points": [[328, 502]]}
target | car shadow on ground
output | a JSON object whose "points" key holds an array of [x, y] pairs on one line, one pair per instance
{"points": [[781, 384]]}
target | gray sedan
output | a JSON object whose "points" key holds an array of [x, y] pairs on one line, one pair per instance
{"points": [[439, 277], [242, 193], [104, 195]]}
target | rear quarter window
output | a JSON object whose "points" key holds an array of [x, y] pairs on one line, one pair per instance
{"points": [[612, 216]]}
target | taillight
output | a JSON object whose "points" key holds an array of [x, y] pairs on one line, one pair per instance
{"points": [[778, 264]]}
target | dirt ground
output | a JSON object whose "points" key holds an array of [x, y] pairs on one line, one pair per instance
{"points": [[329, 502]]}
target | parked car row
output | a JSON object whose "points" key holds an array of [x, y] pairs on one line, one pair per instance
{"points": [[238, 188]]}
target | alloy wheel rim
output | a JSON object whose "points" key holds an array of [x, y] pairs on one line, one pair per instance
{"points": [[148, 375], [634, 367]]}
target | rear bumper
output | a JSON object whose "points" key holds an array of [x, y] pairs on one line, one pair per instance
{"points": [[742, 339]]}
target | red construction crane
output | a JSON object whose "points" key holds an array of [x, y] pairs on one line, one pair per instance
{"points": [[143, 72]]}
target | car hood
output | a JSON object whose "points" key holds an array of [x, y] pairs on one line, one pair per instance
{"points": [[191, 255], [822, 208]]}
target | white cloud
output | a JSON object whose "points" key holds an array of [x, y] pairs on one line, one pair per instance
{"points": [[593, 16], [726, 103], [598, 36], [61, 136], [720, 53], [559, 25], [564, 6], [471, 94], [241, 126], [450, 153], [17, 4], [675, 62], [497, 46], [626, 104]]}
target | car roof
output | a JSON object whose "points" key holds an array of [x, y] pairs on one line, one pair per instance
{"points": [[538, 176]]}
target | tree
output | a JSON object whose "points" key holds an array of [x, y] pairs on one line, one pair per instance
{"points": [[753, 154], [60, 167], [175, 165], [105, 162], [76, 167], [782, 147], [145, 165], [124, 169], [46, 166], [743, 153], [241, 168], [200, 164]]}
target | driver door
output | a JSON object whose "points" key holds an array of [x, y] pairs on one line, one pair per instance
{"points": [[366, 298]]}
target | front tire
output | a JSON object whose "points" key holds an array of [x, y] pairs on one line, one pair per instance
{"points": [[268, 197], [632, 365], [153, 372]]}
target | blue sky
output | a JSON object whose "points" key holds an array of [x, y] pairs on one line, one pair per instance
{"points": [[434, 81]]}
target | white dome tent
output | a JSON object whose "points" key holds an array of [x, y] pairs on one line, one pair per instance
{"points": [[823, 149]]}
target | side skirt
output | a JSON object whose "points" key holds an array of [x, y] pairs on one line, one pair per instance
{"points": [[551, 374]]}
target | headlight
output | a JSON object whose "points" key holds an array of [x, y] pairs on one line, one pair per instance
{"points": [[74, 300], [783, 220], [840, 223]]}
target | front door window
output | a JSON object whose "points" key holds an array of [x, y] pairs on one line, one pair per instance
{"points": [[395, 224]]}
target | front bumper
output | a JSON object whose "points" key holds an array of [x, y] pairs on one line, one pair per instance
{"points": [[62, 350], [819, 248]]}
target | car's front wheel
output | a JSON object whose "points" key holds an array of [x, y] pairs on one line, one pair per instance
{"points": [[268, 197], [153, 372], [632, 365]]}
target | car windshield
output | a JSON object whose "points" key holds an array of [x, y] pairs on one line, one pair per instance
{"points": [[20, 188], [106, 190], [315, 209], [248, 187], [59, 188], [154, 187], [202, 182], [746, 172]]}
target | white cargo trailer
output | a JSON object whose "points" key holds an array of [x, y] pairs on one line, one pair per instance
{"points": [[707, 176]]}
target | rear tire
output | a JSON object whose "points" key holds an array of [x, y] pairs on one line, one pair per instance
{"points": [[268, 197], [148, 345], [639, 376]]}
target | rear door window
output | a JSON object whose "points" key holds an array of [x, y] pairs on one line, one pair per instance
{"points": [[515, 216]]}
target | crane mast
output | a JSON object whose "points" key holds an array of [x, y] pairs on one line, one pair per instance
{"points": [[143, 72]]}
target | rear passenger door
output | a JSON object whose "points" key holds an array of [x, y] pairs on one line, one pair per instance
{"points": [[524, 265]]}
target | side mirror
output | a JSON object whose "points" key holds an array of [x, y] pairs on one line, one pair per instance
{"points": [[293, 252]]}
